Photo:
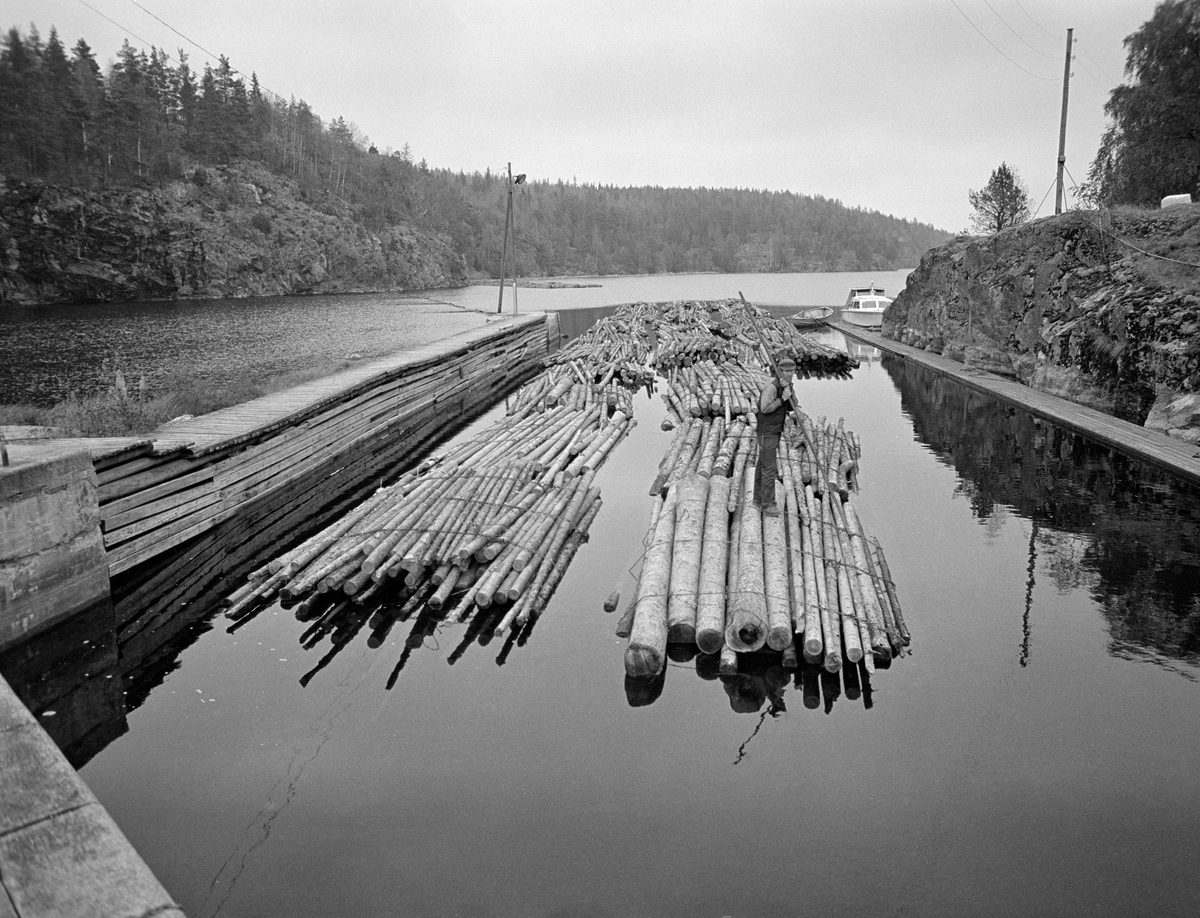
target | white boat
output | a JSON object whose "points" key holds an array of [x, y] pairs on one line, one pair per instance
{"points": [[865, 306], [812, 316]]}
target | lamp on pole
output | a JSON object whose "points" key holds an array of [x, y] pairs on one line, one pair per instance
{"points": [[509, 227]]}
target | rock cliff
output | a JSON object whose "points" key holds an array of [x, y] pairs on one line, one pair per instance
{"points": [[1107, 315], [229, 231]]}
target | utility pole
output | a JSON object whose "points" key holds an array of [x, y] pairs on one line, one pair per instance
{"points": [[510, 228], [1062, 130], [504, 249]]}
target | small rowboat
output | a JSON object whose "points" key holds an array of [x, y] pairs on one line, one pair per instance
{"points": [[812, 316]]}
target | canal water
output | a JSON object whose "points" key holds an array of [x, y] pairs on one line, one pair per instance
{"points": [[1036, 752], [51, 352]]}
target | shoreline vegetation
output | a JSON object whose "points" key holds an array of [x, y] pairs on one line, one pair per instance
{"points": [[127, 409], [152, 180]]}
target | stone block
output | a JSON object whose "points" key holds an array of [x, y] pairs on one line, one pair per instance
{"points": [[52, 557], [39, 466], [79, 864], [13, 714], [36, 782], [47, 516], [38, 590]]}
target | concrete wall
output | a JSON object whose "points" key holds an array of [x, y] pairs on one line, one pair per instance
{"points": [[61, 854], [52, 557]]}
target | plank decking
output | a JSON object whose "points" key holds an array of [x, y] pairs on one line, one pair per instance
{"points": [[1175, 456], [161, 490]]}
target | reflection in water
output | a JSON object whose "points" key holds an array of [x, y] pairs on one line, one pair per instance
{"points": [[760, 684], [70, 678], [1126, 531], [159, 609], [1029, 584], [866, 354]]}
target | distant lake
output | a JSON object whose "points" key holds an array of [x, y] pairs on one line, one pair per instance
{"points": [[52, 351]]}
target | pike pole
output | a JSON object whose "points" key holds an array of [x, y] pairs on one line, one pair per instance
{"points": [[770, 359]]}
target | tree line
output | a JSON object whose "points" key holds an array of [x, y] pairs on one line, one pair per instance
{"points": [[1151, 146], [151, 119]]}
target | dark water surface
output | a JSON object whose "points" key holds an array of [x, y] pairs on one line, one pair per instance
{"points": [[1035, 754], [50, 352]]}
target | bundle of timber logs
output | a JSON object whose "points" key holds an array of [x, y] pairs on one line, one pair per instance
{"points": [[486, 530], [491, 523], [722, 574]]}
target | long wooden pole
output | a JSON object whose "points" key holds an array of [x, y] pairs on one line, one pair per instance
{"points": [[1062, 129], [762, 341], [504, 248]]}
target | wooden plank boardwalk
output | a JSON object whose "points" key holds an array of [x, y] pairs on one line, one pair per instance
{"points": [[160, 490], [1175, 456]]}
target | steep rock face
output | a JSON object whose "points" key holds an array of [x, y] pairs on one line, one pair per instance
{"points": [[1063, 306], [224, 232]]}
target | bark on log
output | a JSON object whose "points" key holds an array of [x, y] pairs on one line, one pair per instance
{"points": [[685, 559], [746, 626], [714, 563], [646, 654], [775, 580]]}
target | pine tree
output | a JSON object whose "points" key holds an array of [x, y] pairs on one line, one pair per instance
{"points": [[1003, 202], [87, 99]]}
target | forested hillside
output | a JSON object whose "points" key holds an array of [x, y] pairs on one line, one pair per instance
{"points": [[152, 120]]}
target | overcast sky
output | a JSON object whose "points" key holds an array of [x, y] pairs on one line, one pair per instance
{"points": [[899, 106]]}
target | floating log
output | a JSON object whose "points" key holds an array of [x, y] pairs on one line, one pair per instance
{"points": [[777, 591], [746, 626], [714, 562], [646, 654], [685, 558]]}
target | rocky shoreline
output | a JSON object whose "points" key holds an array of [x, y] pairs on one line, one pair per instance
{"points": [[226, 231], [1103, 314]]}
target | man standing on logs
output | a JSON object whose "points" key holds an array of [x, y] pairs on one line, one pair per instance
{"points": [[773, 404]]}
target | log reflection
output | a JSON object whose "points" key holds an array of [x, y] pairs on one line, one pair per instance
{"points": [[761, 682]]}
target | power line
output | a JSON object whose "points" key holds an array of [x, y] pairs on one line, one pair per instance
{"points": [[1099, 66], [175, 30], [1014, 31], [1088, 70], [1034, 21], [191, 41], [998, 51], [197, 44], [118, 25]]}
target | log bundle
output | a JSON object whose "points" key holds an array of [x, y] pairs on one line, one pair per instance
{"points": [[487, 529], [721, 574]]}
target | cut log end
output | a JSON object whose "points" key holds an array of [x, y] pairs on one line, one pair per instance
{"points": [[746, 637], [779, 638], [729, 662], [643, 662], [710, 640], [681, 633]]}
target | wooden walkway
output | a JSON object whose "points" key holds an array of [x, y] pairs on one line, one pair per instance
{"points": [[160, 490], [1175, 456]]}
